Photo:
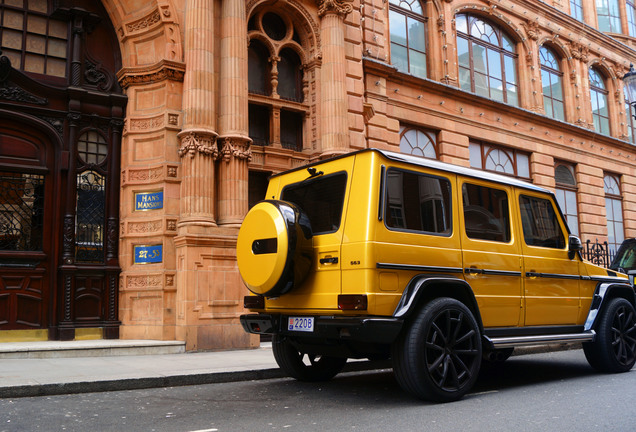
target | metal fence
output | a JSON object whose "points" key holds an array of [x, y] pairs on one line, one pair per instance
{"points": [[598, 253]]}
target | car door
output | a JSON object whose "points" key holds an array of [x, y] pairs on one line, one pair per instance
{"points": [[491, 253], [551, 277]]}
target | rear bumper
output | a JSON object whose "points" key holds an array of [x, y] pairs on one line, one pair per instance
{"points": [[355, 329]]}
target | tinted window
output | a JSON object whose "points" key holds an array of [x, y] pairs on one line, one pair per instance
{"points": [[418, 202], [486, 215], [321, 199], [540, 223]]}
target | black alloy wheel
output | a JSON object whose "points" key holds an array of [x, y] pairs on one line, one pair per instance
{"points": [[438, 358], [614, 349]]}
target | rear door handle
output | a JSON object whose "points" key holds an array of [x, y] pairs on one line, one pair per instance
{"points": [[329, 260]]}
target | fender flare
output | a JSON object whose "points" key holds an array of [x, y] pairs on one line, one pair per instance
{"points": [[420, 285], [605, 291]]}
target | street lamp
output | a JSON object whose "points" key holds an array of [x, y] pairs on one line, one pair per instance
{"points": [[630, 87]]}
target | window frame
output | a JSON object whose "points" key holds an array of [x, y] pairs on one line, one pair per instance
{"points": [[513, 154], [566, 187], [388, 209], [429, 134], [398, 9], [502, 52], [558, 75], [612, 197], [597, 93]]}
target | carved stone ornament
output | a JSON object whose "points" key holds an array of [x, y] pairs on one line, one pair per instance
{"points": [[340, 7], [532, 29], [193, 143], [234, 148]]}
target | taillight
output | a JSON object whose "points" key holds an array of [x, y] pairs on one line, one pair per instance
{"points": [[352, 302], [254, 302]]}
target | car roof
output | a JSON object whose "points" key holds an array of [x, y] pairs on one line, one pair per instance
{"points": [[435, 164]]}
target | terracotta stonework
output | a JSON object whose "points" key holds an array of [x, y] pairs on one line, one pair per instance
{"points": [[187, 131]]}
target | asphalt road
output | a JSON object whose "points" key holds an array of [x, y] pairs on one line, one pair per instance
{"points": [[540, 392]]}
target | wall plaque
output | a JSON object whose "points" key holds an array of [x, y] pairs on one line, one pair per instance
{"points": [[148, 254], [152, 200]]}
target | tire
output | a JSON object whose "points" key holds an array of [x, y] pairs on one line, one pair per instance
{"points": [[274, 248], [439, 355], [614, 348], [303, 366]]}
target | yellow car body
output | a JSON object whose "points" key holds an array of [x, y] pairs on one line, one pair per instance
{"points": [[377, 236]]}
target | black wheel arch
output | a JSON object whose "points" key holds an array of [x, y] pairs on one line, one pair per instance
{"points": [[423, 288], [604, 292]]}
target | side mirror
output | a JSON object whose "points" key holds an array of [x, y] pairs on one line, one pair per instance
{"points": [[574, 246]]}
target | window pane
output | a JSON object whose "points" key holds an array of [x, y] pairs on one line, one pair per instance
{"points": [[417, 37], [481, 85], [464, 79], [418, 202], [463, 55], [417, 63], [397, 23], [523, 165], [540, 223], [479, 58], [486, 215], [494, 64], [399, 57], [321, 199], [496, 90], [475, 155]]}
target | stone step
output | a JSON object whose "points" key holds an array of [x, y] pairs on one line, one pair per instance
{"points": [[88, 348]]}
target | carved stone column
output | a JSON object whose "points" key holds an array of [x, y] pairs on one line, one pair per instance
{"points": [[198, 152], [198, 149], [234, 141], [333, 99]]}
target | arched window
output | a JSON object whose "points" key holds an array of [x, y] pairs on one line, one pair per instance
{"points": [[487, 60], [418, 142], [499, 159], [258, 68], [566, 195], [609, 16], [552, 82], [598, 97], [408, 36], [290, 76], [631, 17], [614, 209], [275, 82], [576, 9], [630, 111]]}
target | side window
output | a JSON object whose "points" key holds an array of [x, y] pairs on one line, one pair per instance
{"points": [[540, 223], [322, 199], [418, 202], [486, 214]]}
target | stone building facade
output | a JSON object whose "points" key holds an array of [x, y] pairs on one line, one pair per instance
{"points": [[199, 101]]}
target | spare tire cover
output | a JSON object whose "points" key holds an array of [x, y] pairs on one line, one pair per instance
{"points": [[274, 248]]}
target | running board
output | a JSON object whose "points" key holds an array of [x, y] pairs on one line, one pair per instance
{"points": [[515, 341]]}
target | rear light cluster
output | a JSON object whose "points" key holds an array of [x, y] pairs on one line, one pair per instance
{"points": [[352, 302], [254, 302]]}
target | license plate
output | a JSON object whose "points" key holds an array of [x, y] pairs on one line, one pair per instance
{"points": [[304, 324]]}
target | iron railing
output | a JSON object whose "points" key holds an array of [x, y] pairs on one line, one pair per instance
{"points": [[598, 253]]}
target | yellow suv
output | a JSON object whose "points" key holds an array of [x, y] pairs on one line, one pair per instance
{"points": [[377, 254]]}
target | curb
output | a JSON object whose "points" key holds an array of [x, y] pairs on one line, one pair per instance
{"points": [[164, 381]]}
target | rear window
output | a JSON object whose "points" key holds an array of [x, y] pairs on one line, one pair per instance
{"points": [[321, 198]]}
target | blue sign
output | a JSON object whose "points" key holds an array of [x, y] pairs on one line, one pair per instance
{"points": [[149, 200], [148, 254]]}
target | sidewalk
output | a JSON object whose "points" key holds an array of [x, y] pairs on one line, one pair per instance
{"points": [[27, 376]]}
